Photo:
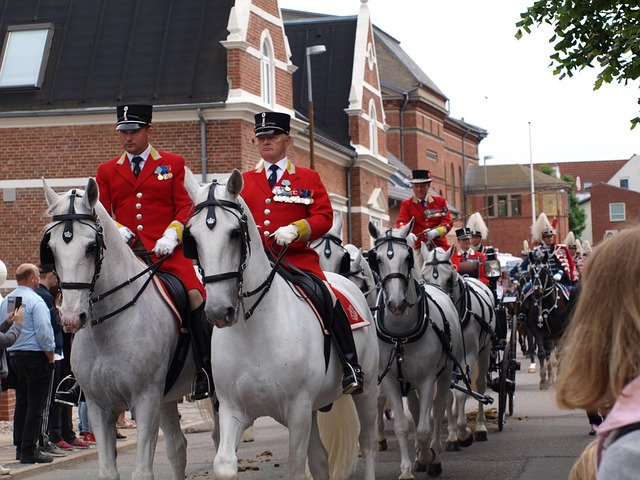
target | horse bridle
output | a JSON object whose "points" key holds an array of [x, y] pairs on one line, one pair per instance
{"points": [[537, 285], [435, 273], [46, 254], [328, 240], [191, 247], [389, 240]]}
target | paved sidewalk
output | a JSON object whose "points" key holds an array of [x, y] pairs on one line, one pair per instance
{"points": [[192, 420]]}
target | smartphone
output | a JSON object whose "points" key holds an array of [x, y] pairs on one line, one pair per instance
{"points": [[13, 303]]}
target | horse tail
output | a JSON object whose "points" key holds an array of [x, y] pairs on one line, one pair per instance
{"points": [[339, 430]]}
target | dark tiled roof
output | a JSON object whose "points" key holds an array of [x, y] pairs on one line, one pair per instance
{"points": [[113, 51], [508, 177], [397, 68], [331, 71]]}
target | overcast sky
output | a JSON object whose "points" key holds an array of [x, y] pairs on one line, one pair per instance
{"points": [[468, 48]]}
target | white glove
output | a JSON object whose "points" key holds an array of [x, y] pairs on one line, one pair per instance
{"points": [[432, 233], [287, 234], [126, 234], [557, 277], [167, 244]]}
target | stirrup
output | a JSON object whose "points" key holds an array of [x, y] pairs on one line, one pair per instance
{"points": [[199, 379], [70, 397], [352, 383]]}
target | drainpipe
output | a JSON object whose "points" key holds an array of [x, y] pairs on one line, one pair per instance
{"points": [[203, 143], [405, 94], [348, 179], [464, 172]]}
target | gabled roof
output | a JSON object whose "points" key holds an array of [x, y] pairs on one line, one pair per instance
{"points": [[398, 69], [108, 52], [508, 177], [592, 172], [331, 71]]}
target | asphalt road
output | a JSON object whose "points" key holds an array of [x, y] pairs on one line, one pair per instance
{"points": [[538, 442]]}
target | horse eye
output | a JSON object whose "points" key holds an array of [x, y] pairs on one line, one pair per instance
{"points": [[91, 248], [235, 234]]}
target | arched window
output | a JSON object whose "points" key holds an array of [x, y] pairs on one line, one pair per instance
{"points": [[373, 129], [267, 82]]}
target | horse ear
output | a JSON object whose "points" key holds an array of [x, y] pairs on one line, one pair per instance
{"points": [[190, 183], [404, 231], [336, 226], [49, 194], [449, 253], [235, 183], [424, 250], [373, 231], [91, 193]]}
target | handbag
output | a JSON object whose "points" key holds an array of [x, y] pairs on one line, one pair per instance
{"points": [[4, 365]]}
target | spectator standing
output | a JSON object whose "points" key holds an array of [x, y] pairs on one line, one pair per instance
{"points": [[9, 332], [32, 362]]}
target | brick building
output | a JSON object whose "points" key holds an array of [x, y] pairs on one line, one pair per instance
{"points": [[208, 67]]}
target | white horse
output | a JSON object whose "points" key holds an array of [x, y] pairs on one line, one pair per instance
{"points": [[271, 362], [420, 342], [125, 332], [475, 304], [333, 255]]}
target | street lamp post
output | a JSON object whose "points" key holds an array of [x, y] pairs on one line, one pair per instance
{"points": [[486, 195], [314, 50]]}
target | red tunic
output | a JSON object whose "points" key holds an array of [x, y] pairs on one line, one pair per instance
{"points": [[271, 211], [473, 258], [434, 214], [149, 203]]}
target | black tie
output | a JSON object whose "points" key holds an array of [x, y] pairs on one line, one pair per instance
{"points": [[423, 203], [136, 165], [273, 177]]}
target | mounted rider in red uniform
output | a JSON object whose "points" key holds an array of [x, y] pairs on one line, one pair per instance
{"points": [[291, 204]]}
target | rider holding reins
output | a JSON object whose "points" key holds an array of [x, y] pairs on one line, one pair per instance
{"points": [[291, 207], [432, 219]]}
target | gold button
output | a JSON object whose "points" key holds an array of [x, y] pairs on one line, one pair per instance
{"points": [[139, 195], [267, 223], [138, 206], [266, 233], [267, 201], [139, 216], [267, 211], [140, 227]]}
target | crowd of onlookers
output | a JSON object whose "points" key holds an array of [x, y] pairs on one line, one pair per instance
{"points": [[35, 357]]}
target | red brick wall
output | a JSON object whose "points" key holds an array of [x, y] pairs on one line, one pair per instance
{"points": [[601, 196], [7, 405]]}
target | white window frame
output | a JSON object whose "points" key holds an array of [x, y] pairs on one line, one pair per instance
{"points": [[267, 70], [373, 129], [617, 216], [24, 56]]}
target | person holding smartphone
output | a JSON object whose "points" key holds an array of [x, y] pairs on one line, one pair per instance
{"points": [[31, 358], [10, 330]]}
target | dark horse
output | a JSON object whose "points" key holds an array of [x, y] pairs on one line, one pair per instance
{"points": [[547, 310]]}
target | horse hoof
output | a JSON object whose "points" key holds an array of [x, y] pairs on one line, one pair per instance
{"points": [[480, 436], [466, 442], [452, 446], [382, 446], [434, 469], [544, 386], [418, 467]]}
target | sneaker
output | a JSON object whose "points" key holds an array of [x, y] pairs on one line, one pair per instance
{"points": [[50, 449], [89, 438], [62, 445], [36, 458], [4, 471], [77, 443]]}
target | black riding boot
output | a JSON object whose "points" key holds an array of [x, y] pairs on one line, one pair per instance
{"points": [[201, 331], [72, 396], [340, 328]]}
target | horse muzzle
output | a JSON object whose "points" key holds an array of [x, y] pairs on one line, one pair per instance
{"points": [[71, 323], [222, 318]]}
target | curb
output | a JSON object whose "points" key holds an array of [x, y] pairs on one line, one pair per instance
{"points": [[80, 456]]}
